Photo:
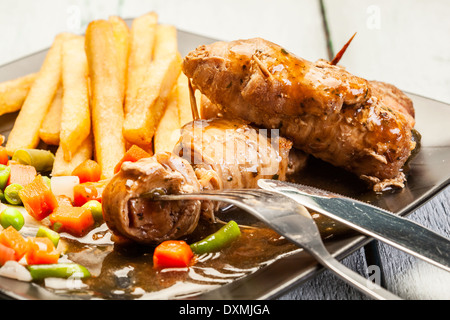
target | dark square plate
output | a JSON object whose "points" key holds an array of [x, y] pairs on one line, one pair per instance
{"points": [[429, 173]]}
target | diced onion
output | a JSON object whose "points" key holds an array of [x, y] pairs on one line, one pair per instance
{"points": [[14, 270], [64, 284], [63, 185]]}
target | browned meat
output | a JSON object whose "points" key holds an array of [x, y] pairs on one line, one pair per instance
{"points": [[394, 98], [326, 111], [230, 154], [139, 219], [297, 158], [212, 154]]}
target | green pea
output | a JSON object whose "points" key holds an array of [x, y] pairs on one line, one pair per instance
{"points": [[5, 171], [12, 217], [12, 194], [96, 209]]}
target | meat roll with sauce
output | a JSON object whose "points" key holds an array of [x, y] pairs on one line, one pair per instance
{"points": [[212, 154], [362, 126]]}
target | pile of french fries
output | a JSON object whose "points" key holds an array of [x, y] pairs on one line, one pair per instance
{"points": [[96, 95]]}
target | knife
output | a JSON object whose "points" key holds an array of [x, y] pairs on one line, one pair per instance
{"points": [[375, 222]]}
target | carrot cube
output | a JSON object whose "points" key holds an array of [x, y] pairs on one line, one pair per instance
{"points": [[74, 220], [133, 154], [38, 199], [11, 238], [41, 251], [21, 173], [172, 254]]}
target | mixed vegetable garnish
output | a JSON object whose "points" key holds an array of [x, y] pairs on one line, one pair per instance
{"points": [[70, 205]]}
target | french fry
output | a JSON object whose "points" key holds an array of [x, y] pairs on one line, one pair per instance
{"points": [[142, 39], [166, 41], [122, 42], [51, 126], [146, 111], [144, 115], [14, 92], [25, 133], [62, 167], [75, 114], [184, 103], [168, 132], [106, 95]]}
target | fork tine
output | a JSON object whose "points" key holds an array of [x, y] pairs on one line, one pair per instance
{"points": [[246, 192]]}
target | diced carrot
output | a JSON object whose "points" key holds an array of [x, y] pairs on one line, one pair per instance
{"points": [[41, 251], [88, 171], [38, 199], [21, 173], [84, 192], [6, 254], [172, 254], [133, 154], [74, 220], [11, 238], [3, 156]]}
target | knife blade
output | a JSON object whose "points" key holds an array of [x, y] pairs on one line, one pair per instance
{"points": [[399, 232]]}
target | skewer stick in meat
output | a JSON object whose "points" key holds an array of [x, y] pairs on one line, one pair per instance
{"points": [[340, 54]]}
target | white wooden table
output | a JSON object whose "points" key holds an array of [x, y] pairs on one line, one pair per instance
{"points": [[404, 42]]}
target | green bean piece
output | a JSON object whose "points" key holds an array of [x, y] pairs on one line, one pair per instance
{"points": [[58, 270], [48, 233], [96, 209], [4, 176], [12, 217], [12, 194], [42, 160], [218, 240]]}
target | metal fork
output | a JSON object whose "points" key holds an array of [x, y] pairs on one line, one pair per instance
{"points": [[292, 221]]}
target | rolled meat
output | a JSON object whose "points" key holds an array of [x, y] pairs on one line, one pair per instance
{"points": [[359, 125], [211, 154]]}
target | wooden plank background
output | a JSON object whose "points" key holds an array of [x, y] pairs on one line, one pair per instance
{"points": [[404, 42]]}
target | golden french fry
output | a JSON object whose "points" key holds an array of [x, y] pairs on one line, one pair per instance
{"points": [[142, 39], [144, 115], [14, 92], [166, 41], [62, 167], [50, 128], [168, 132], [184, 103], [75, 114], [25, 133], [122, 41], [106, 95]]}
